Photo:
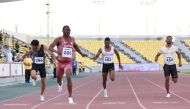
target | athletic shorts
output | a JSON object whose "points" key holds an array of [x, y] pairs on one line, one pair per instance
{"points": [[63, 67], [107, 67], [40, 68], [170, 70]]}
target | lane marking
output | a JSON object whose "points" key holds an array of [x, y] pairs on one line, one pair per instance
{"points": [[108, 103], [136, 96], [159, 102], [35, 106], [15, 104], [88, 105], [170, 91]]}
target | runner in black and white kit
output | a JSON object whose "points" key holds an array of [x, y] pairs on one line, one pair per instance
{"points": [[37, 54], [108, 65], [169, 51]]}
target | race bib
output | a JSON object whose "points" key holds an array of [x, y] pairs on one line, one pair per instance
{"points": [[108, 59], [169, 60], [67, 52], [39, 60]]}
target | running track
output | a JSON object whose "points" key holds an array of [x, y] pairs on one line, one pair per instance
{"points": [[132, 90]]}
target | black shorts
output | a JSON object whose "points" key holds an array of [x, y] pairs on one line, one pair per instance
{"points": [[170, 70], [40, 68], [107, 67]]}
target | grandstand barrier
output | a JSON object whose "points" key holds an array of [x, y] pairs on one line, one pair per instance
{"points": [[11, 69], [138, 67], [185, 67]]}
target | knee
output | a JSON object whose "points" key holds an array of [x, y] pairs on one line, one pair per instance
{"points": [[167, 81], [69, 81], [33, 74], [68, 71], [104, 81], [43, 82], [68, 76], [167, 78]]}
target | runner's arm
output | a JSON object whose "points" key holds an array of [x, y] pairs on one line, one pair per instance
{"points": [[179, 57], [77, 49], [53, 44], [97, 54], [118, 57], [157, 56], [46, 49]]}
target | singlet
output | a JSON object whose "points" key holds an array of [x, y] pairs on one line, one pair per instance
{"points": [[169, 54], [107, 56], [67, 50], [39, 56]]}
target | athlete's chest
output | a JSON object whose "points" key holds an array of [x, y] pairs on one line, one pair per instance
{"points": [[67, 44], [108, 53], [169, 51], [38, 53]]}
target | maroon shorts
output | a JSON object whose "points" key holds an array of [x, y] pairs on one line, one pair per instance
{"points": [[63, 67]]}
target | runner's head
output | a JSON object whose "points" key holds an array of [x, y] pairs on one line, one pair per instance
{"points": [[34, 44], [169, 39], [66, 31], [107, 42]]}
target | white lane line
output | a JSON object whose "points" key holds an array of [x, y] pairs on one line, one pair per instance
{"points": [[110, 103], [88, 105], [170, 91], [159, 102], [15, 104], [35, 106], [136, 96]]}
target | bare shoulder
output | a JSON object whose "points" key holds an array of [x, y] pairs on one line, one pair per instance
{"points": [[72, 38], [57, 39]]}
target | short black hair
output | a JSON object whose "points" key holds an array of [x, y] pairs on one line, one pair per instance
{"points": [[34, 42], [107, 39], [169, 36], [65, 27]]}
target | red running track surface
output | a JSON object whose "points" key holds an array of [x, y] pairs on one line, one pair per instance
{"points": [[130, 90]]}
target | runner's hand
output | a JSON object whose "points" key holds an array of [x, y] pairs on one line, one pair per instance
{"points": [[84, 55], [120, 66], [94, 58], [180, 64]]}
